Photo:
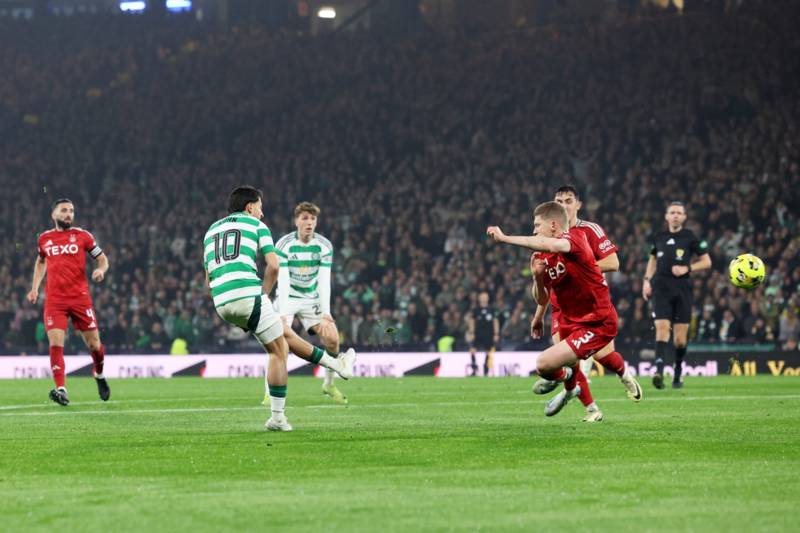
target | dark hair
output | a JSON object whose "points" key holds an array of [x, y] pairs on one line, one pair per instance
{"points": [[60, 201], [568, 188], [676, 202], [241, 196]]}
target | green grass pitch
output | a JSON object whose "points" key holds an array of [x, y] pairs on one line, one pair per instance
{"points": [[409, 454]]}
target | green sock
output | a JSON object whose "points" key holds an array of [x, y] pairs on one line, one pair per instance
{"points": [[316, 355], [277, 391]]}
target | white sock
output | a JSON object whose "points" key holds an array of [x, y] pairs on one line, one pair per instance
{"points": [[592, 407], [329, 375], [63, 389], [99, 376], [329, 362], [277, 405], [586, 366]]}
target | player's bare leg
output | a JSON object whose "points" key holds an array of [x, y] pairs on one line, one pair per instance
{"points": [[613, 361], [680, 337], [545, 386], [342, 365], [92, 340], [662, 339], [56, 340], [329, 335], [277, 379], [560, 364]]}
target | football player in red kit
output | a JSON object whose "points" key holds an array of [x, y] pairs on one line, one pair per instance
{"points": [[62, 256], [567, 267]]}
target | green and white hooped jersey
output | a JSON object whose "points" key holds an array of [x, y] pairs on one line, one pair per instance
{"points": [[231, 245], [304, 261]]}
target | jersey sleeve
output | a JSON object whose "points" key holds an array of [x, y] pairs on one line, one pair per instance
{"points": [[91, 246], [265, 243], [39, 248], [599, 242], [326, 257], [653, 247], [579, 246], [697, 246]]}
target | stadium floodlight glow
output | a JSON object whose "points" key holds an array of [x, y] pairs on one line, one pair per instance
{"points": [[179, 5], [133, 7], [326, 12]]}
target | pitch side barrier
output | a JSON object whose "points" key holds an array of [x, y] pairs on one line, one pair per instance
{"points": [[384, 364]]}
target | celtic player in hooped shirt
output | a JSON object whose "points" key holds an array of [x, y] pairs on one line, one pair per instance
{"points": [[62, 257], [304, 285], [231, 246]]}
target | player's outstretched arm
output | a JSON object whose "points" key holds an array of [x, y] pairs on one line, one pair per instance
{"points": [[532, 242], [39, 270], [102, 267]]}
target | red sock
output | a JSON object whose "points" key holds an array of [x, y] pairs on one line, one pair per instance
{"points": [[586, 395], [570, 382], [57, 365], [556, 375], [98, 356], [614, 362]]}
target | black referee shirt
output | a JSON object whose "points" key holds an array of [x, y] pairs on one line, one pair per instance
{"points": [[672, 249]]}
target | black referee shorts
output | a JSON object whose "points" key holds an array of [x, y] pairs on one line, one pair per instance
{"points": [[672, 300], [482, 345]]}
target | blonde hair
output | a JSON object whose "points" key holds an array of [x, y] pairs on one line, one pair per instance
{"points": [[552, 211], [306, 207]]}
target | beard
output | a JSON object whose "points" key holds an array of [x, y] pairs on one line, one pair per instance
{"points": [[62, 224]]}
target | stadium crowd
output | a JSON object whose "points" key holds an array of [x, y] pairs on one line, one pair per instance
{"points": [[411, 145]]}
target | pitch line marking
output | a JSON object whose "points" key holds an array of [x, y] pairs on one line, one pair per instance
{"points": [[62, 411]]}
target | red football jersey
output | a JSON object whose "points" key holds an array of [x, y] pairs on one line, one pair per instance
{"points": [[599, 243], [574, 281], [65, 253]]}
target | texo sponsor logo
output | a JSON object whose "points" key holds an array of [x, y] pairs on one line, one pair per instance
{"points": [[61, 249]]}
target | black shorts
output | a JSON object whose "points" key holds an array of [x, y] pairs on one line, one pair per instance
{"points": [[672, 300], [482, 345]]}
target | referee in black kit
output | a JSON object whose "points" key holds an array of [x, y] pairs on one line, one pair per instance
{"points": [[483, 333], [667, 280]]}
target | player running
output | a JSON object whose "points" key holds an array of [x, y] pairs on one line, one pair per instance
{"points": [[567, 267], [605, 253], [231, 246], [304, 285], [62, 256]]}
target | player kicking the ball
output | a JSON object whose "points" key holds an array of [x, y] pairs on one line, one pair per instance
{"points": [[304, 285], [231, 245], [567, 267], [62, 256], [605, 253]]}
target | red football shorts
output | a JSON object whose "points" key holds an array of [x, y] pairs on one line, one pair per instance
{"points": [[57, 314], [555, 316], [588, 339]]}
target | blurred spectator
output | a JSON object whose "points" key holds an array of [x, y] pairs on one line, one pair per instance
{"points": [[414, 145]]}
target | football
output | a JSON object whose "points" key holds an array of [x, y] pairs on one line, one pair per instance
{"points": [[747, 271]]}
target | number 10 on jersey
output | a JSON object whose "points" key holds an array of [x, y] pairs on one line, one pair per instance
{"points": [[226, 245]]}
